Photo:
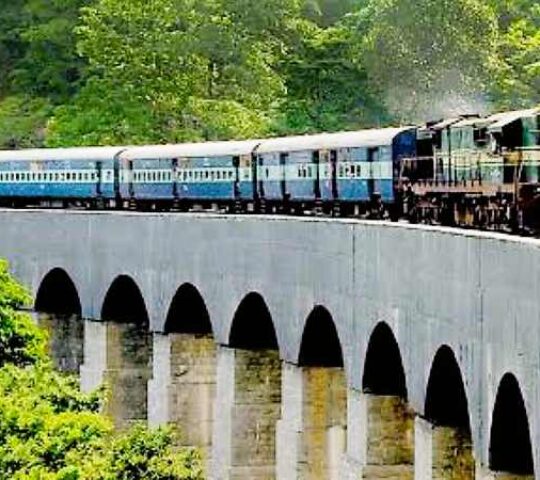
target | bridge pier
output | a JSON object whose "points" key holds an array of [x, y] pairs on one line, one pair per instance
{"points": [[390, 438], [182, 388], [248, 399], [118, 355], [160, 408], [313, 425], [94, 366], [355, 456]]}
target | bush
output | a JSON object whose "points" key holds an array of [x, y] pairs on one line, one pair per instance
{"points": [[50, 430], [21, 341]]}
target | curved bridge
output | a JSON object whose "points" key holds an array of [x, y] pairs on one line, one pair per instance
{"points": [[374, 350]]}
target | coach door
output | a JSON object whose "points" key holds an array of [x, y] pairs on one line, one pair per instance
{"points": [[175, 175], [373, 157], [116, 180], [283, 157], [316, 159], [236, 186], [333, 174], [99, 175]]}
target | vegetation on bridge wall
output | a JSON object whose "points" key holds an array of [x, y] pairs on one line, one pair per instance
{"points": [[49, 430], [110, 71]]}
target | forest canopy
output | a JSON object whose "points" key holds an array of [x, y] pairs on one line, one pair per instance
{"points": [[94, 72]]}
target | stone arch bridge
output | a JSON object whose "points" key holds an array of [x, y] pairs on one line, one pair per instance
{"points": [[331, 349]]}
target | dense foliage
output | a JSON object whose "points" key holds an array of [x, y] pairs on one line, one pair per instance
{"points": [[50, 430], [111, 71]]}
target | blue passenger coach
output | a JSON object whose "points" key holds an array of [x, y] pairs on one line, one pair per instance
{"points": [[346, 167], [210, 172], [58, 174]]}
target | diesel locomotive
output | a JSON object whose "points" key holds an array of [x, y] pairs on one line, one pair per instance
{"points": [[471, 170]]}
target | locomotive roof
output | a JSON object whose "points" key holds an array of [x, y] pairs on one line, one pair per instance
{"points": [[195, 150], [75, 153], [361, 138], [501, 120]]}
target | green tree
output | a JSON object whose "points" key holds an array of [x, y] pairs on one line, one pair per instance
{"points": [[517, 82], [429, 58], [327, 82], [198, 70], [50, 66], [50, 430], [21, 342]]}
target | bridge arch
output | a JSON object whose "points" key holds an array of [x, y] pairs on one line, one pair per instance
{"points": [[447, 409], [57, 294], [383, 365], [256, 386], [124, 302], [390, 420], [188, 312], [320, 345], [252, 326], [446, 401], [510, 448]]}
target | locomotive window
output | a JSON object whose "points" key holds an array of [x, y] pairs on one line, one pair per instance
{"points": [[212, 175], [218, 175], [267, 172]]}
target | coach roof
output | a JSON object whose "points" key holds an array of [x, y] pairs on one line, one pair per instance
{"points": [[193, 150], [76, 153], [327, 141]]}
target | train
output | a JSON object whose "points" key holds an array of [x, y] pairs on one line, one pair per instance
{"points": [[470, 171]]}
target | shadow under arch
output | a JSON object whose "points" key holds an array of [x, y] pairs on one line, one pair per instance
{"points": [[383, 367], [446, 402], [58, 295], [188, 313], [252, 327], [124, 303], [320, 345], [510, 448]]}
